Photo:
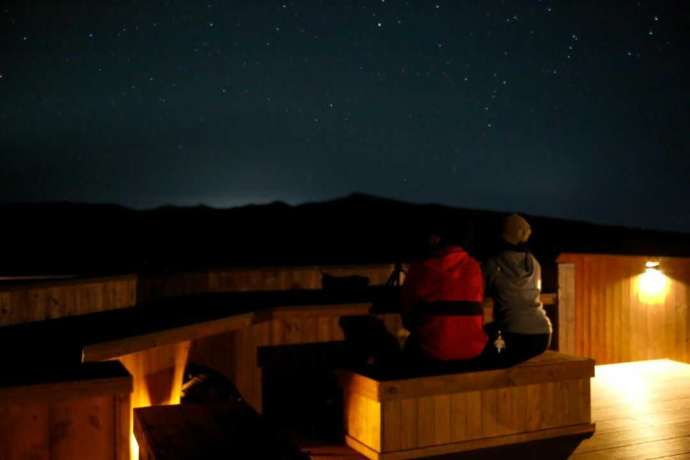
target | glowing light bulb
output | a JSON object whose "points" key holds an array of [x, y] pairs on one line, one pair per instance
{"points": [[652, 283]]}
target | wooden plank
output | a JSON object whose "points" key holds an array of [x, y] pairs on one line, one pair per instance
{"points": [[123, 425], [535, 407], [475, 415], [83, 429], [25, 432], [426, 427], [363, 420], [505, 416], [489, 413], [459, 417], [566, 308], [408, 423], [324, 330], [625, 325], [442, 420], [112, 349], [608, 326], [391, 414], [520, 412]]}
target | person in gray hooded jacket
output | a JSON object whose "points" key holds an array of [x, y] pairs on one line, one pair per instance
{"points": [[513, 279]]}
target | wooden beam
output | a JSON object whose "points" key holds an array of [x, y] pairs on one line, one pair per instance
{"points": [[126, 345]]}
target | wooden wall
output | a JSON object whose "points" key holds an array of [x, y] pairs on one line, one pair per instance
{"points": [[253, 279], [55, 299], [604, 315], [49, 300]]}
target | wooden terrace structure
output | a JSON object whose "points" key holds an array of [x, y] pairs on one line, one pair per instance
{"points": [[221, 318]]}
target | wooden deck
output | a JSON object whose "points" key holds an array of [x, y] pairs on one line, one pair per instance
{"points": [[641, 410]]}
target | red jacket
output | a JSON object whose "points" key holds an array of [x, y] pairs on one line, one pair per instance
{"points": [[443, 294]]}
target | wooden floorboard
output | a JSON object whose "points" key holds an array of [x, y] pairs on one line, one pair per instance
{"points": [[641, 409]]}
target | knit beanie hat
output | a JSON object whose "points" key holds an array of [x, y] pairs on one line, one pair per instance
{"points": [[516, 229]]}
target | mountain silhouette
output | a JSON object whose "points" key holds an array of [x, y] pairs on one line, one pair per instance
{"points": [[86, 239]]}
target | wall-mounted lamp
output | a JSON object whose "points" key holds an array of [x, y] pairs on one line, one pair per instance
{"points": [[652, 283], [652, 264]]}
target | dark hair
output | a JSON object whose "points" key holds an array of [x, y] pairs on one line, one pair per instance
{"points": [[458, 232]]}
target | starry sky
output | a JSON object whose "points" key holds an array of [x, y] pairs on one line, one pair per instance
{"points": [[574, 109]]}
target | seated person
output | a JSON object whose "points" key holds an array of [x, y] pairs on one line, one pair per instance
{"points": [[441, 302], [513, 279]]}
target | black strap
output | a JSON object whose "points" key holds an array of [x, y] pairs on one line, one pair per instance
{"points": [[452, 308]]}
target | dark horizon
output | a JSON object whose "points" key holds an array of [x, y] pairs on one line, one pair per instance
{"points": [[574, 111], [354, 196]]}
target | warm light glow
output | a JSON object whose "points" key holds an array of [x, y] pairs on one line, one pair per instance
{"points": [[133, 447], [653, 284], [636, 394], [626, 383], [157, 375]]}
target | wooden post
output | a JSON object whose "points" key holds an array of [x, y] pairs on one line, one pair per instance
{"points": [[566, 308]]}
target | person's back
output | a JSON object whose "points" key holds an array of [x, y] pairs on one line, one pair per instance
{"points": [[442, 307], [513, 279]]}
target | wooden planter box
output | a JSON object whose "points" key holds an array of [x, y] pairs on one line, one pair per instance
{"points": [[79, 413], [545, 397]]}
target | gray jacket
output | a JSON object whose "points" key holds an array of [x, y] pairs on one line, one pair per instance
{"points": [[513, 279]]}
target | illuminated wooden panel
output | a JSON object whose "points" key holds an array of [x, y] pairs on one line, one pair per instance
{"points": [[606, 314]]}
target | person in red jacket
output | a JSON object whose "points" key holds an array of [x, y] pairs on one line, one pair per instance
{"points": [[441, 302]]}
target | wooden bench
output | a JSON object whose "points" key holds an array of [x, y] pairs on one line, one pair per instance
{"points": [[545, 397]]}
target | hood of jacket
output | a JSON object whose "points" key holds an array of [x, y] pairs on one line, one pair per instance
{"points": [[516, 265]]}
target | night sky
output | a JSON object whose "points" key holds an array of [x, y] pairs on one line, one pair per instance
{"points": [[574, 109]]}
